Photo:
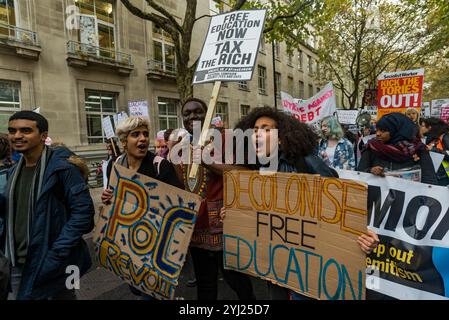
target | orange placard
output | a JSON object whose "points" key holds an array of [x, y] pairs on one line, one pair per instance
{"points": [[399, 91]]}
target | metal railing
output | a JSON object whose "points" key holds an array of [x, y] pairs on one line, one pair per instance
{"points": [[86, 50], [18, 35], [161, 67]]}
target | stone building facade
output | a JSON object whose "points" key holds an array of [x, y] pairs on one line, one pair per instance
{"points": [[79, 68]]}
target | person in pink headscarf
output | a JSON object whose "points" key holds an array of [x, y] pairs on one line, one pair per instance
{"points": [[160, 145]]}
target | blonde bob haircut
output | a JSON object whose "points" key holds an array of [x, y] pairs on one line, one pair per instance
{"points": [[129, 125]]}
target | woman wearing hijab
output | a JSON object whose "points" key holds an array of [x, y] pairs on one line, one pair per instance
{"points": [[397, 146]]}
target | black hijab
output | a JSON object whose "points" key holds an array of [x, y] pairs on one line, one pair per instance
{"points": [[400, 127]]}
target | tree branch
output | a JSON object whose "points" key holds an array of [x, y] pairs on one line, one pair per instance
{"points": [[167, 14], [288, 16], [162, 22]]}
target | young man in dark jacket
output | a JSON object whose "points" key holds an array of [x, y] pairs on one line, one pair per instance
{"points": [[48, 209]]}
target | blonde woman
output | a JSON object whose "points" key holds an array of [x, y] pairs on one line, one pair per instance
{"points": [[134, 135], [413, 115]]}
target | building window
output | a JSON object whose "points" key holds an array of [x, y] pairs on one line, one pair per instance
{"points": [[221, 111], [277, 78], [310, 64], [262, 44], [262, 79], [243, 85], [98, 104], [7, 16], [317, 90], [97, 26], [310, 90], [244, 110], [163, 50], [300, 62], [277, 50], [9, 101], [168, 113], [290, 59], [216, 7], [301, 94], [290, 86]]}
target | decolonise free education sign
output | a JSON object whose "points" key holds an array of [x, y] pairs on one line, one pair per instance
{"points": [[298, 231]]}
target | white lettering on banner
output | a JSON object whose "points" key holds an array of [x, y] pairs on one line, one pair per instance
{"points": [[425, 209], [314, 109]]}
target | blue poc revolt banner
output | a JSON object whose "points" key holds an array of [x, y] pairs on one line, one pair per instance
{"points": [[144, 234], [412, 221]]}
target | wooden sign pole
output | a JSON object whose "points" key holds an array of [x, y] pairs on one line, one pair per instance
{"points": [[113, 146], [206, 125]]}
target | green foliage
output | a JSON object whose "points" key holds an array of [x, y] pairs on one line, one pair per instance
{"points": [[368, 37]]}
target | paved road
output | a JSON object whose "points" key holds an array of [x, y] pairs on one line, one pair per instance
{"points": [[100, 284]]}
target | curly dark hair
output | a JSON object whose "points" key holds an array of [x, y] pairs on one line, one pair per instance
{"points": [[297, 139]]}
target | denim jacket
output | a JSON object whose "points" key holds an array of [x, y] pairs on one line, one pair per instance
{"points": [[344, 157]]}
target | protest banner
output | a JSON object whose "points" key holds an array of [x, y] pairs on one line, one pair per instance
{"points": [[144, 234], [230, 50], [347, 116], [435, 109], [314, 109], [298, 231], [229, 54], [138, 108], [444, 115], [412, 221], [398, 91]]}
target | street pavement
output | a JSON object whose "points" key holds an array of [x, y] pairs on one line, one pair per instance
{"points": [[100, 284]]}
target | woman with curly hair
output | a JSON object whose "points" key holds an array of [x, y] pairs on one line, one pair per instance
{"points": [[295, 145], [335, 149]]}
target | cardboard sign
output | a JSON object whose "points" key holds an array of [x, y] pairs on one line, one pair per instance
{"points": [[347, 116], [107, 127], [230, 49], [398, 91], [436, 105], [138, 108], [314, 109], [412, 221], [143, 236], [298, 231]]}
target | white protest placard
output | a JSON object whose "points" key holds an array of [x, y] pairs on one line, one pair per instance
{"points": [[314, 109], [138, 108], [230, 49], [107, 128], [347, 116], [122, 116], [435, 109]]}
